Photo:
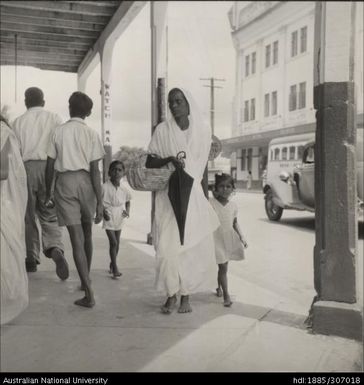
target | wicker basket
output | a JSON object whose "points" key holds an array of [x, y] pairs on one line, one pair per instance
{"points": [[147, 179]]}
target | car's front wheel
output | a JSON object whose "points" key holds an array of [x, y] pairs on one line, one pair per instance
{"points": [[273, 211]]}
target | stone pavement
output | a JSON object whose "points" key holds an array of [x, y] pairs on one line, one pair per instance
{"points": [[125, 331]]}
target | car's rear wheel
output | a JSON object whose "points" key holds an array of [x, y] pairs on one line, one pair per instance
{"points": [[273, 211]]}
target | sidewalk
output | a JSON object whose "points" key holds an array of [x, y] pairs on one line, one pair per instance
{"points": [[125, 331]]}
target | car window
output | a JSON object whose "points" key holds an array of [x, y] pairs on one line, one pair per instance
{"points": [[309, 155], [276, 153]]}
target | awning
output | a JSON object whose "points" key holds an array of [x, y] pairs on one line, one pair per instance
{"points": [[52, 35]]}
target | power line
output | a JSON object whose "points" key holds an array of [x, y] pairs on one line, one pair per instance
{"points": [[212, 87]]}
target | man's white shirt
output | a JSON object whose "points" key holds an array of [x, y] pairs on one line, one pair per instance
{"points": [[34, 129]]}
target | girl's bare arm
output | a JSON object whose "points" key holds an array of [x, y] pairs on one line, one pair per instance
{"points": [[239, 232]]}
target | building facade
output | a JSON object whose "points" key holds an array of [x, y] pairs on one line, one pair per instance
{"points": [[274, 43]]}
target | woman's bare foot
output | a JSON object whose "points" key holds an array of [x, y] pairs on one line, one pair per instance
{"points": [[227, 300], [169, 305], [185, 306], [219, 292]]}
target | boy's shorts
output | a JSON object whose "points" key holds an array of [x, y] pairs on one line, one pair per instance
{"points": [[75, 198]]}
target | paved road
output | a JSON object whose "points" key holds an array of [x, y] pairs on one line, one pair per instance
{"points": [[280, 256]]}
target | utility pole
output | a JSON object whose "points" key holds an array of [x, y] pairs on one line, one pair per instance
{"points": [[212, 87]]}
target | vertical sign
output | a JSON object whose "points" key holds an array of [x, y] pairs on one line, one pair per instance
{"points": [[107, 113]]}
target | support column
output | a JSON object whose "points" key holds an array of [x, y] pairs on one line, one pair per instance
{"points": [[106, 117], [335, 309], [158, 26], [81, 83]]}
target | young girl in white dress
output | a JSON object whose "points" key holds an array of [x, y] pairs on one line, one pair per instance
{"points": [[229, 240], [116, 200]]}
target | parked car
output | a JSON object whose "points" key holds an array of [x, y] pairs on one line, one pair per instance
{"points": [[290, 180], [264, 178]]}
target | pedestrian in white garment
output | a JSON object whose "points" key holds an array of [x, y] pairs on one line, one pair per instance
{"points": [[188, 268], [13, 192], [33, 130]]}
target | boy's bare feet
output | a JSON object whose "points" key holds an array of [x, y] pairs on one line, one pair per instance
{"points": [[88, 300], [185, 306], [219, 292], [169, 305], [85, 302], [61, 263], [114, 270]]}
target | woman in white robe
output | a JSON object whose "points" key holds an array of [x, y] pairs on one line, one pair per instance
{"points": [[189, 268], [14, 195]]}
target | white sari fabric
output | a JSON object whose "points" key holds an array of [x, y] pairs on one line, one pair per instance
{"points": [[14, 195], [189, 268]]}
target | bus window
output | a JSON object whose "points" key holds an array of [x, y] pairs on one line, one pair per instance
{"points": [[292, 152], [271, 155], [276, 154], [284, 153], [300, 152]]}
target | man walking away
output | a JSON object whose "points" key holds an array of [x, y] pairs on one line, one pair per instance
{"points": [[33, 130]]}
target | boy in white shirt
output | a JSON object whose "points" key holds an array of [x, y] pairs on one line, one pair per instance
{"points": [[74, 152], [116, 199]]}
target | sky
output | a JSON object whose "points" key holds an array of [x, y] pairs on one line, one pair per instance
{"points": [[199, 46]]}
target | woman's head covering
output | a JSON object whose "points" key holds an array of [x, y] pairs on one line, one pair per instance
{"points": [[200, 135]]}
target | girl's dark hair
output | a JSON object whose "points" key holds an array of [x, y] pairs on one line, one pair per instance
{"points": [[223, 178], [80, 104], [113, 164]]}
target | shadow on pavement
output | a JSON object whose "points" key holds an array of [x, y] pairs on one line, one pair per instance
{"points": [[125, 331], [306, 224]]}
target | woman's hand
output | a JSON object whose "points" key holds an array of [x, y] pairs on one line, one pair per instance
{"points": [[177, 163]]}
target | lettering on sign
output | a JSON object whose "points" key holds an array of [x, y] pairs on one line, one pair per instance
{"points": [[107, 111]]}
